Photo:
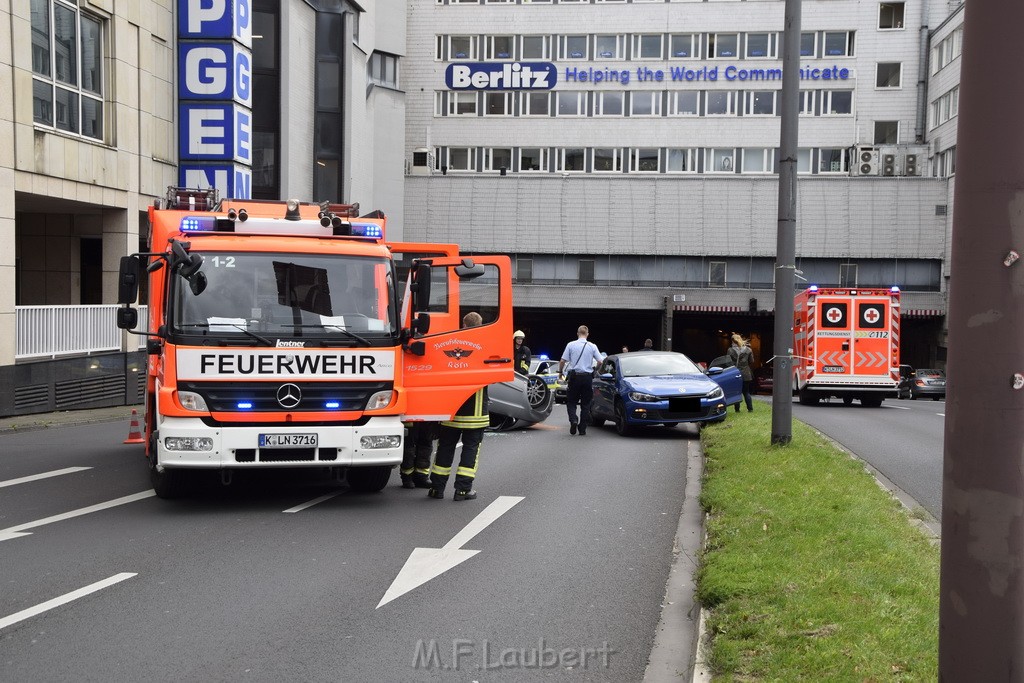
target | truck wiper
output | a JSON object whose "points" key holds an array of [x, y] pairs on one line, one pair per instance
{"points": [[335, 328], [241, 329]]}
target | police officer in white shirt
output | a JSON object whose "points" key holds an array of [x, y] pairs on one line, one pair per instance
{"points": [[577, 364]]}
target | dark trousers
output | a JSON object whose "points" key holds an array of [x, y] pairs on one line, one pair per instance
{"points": [[448, 439], [579, 389], [748, 385], [419, 446]]}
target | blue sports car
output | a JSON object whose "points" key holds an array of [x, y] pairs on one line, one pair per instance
{"points": [[661, 387]]}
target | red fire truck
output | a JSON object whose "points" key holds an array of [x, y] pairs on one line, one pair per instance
{"points": [[847, 344], [279, 337]]}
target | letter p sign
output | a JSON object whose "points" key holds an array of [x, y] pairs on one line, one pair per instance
{"points": [[216, 19]]}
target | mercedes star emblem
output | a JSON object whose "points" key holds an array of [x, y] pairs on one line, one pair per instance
{"points": [[288, 396]]}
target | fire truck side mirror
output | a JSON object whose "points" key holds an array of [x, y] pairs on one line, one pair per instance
{"points": [[421, 325], [128, 280], [127, 318], [420, 287], [469, 270]]}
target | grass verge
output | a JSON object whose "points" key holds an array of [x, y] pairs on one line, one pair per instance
{"points": [[811, 572]]}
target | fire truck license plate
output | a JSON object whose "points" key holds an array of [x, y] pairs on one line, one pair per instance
{"points": [[288, 440]]}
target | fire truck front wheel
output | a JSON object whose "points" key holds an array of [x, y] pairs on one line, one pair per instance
{"points": [[167, 483], [368, 479]]}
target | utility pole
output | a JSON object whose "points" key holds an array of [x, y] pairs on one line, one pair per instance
{"points": [[981, 600], [785, 249]]}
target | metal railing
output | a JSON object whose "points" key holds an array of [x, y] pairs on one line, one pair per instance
{"points": [[51, 331]]}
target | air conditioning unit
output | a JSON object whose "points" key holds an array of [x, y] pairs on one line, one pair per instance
{"points": [[865, 161], [420, 162], [910, 165], [888, 164]]}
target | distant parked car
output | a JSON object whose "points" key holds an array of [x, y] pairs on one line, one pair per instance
{"points": [[764, 380], [661, 387], [521, 402], [928, 383]]}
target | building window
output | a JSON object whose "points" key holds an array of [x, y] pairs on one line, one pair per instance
{"points": [[461, 47], [533, 159], [67, 68], [833, 160], [684, 46], [644, 160], [266, 100], [535, 103], [683, 103], [535, 47], [758, 160], [947, 49], [498, 158], [848, 275], [586, 271], [807, 98], [680, 161], [803, 160], [607, 160], [762, 45], [610, 47], [499, 47], [648, 46], [838, 44], [382, 69], [760, 103], [836, 102], [887, 132], [524, 270], [571, 159], [461, 159], [572, 103], [722, 45], [720, 161], [645, 103], [888, 75], [573, 47], [497, 104], [462, 104], [716, 274], [609, 103], [809, 44], [721, 103], [890, 15]]}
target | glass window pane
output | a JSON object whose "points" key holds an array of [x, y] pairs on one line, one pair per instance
{"points": [[803, 160], [757, 44], [754, 160], [835, 44], [607, 47], [92, 56], [686, 103], [576, 47], [678, 160], [42, 103], [65, 45], [568, 104], [573, 159], [92, 118], [682, 45], [888, 75], [647, 160], [642, 104], [650, 47], [41, 37], [806, 44], [606, 159], [535, 47], [762, 103], [264, 52], [537, 103], [67, 110], [328, 93], [461, 47], [611, 103], [502, 47], [726, 44], [328, 35], [840, 102], [325, 180], [533, 159], [718, 102]]}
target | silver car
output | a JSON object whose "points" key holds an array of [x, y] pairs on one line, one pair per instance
{"points": [[524, 401]]}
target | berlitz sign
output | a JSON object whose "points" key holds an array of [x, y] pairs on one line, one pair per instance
{"points": [[501, 76]]}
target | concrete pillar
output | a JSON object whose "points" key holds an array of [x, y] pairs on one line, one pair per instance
{"points": [[120, 238]]}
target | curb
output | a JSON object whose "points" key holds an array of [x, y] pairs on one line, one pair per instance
{"points": [[70, 418]]}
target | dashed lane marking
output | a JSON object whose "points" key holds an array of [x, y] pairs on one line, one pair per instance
{"points": [[63, 599], [42, 475], [20, 530]]}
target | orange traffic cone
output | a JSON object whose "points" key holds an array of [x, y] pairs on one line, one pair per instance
{"points": [[134, 430]]}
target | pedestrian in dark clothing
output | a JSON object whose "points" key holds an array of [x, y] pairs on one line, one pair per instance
{"points": [[577, 363], [522, 353], [648, 345], [419, 449], [742, 355], [467, 424]]}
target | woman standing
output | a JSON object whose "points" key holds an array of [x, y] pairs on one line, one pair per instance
{"points": [[743, 356]]}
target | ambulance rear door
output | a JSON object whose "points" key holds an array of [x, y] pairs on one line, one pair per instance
{"points": [[872, 336], [834, 337]]}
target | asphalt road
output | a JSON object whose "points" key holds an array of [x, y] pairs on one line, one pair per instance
{"points": [[568, 582], [902, 439]]}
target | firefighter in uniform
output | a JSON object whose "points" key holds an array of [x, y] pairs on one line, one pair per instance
{"points": [[419, 447], [522, 353], [468, 424]]}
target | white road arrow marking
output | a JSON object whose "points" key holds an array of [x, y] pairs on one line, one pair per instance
{"points": [[426, 563], [20, 530], [43, 475], [63, 599]]}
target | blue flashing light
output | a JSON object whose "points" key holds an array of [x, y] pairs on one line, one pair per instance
{"points": [[367, 230], [245, 405], [813, 289], [543, 356], [332, 405], [894, 289], [198, 223]]}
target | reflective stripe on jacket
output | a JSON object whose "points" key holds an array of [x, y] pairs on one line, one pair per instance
{"points": [[473, 414]]}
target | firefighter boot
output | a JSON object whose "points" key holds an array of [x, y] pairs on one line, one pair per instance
{"points": [[464, 495], [435, 493]]}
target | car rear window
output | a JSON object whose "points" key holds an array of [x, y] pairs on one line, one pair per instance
{"points": [[929, 373]]}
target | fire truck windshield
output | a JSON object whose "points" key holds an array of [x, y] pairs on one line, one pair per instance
{"points": [[254, 295]]}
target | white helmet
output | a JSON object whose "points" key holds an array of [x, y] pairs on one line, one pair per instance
{"points": [[518, 333]]}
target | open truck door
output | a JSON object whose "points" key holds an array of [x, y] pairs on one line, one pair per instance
{"points": [[442, 362]]}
